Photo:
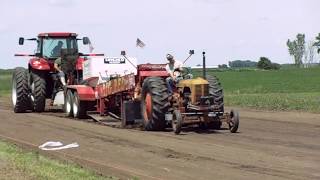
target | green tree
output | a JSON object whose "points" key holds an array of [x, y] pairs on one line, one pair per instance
{"points": [[242, 63], [297, 48], [222, 66], [317, 43], [264, 63]]}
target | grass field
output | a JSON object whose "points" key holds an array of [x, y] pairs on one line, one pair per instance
{"points": [[17, 164], [5, 82], [287, 89]]}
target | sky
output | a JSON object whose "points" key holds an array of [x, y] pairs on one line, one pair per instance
{"points": [[225, 29]]}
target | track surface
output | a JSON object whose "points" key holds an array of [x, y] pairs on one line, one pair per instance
{"points": [[269, 145]]}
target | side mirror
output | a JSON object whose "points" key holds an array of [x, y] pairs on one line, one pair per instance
{"points": [[85, 40], [191, 52], [21, 41], [123, 53]]}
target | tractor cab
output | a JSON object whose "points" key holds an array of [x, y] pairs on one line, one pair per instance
{"points": [[49, 47]]}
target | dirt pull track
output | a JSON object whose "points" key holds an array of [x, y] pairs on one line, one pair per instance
{"points": [[269, 146]]}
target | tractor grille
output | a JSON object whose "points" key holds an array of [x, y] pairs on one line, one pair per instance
{"points": [[200, 90]]}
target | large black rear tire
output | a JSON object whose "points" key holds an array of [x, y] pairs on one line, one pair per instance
{"points": [[38, 86], [20, 91], [154, 103], [215, 90]]}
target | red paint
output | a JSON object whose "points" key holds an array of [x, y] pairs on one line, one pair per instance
{"points": [[40, 64], [86, 93], [148, 102], [152, 67], [102, 106], [57, 34], [79, 63], [153, 73]]}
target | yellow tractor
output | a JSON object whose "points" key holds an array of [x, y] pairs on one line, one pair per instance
{"points": [[200, 101]]}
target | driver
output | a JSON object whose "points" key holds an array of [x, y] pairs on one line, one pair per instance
{"points": [[56, 50], [173, 68], [57, 67]]}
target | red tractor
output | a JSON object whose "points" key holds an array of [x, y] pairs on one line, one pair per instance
{"points": [[31, 87]]}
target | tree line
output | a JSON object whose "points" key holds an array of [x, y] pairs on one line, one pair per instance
{"points": [[303, 52], [263, 63]]}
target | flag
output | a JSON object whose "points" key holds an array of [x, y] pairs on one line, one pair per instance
{"points": [[91, 48], [139, 43]]}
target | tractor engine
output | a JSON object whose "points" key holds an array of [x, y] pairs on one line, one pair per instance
{"points": [[195, 89]]}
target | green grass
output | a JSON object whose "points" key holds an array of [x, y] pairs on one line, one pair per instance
{"points": [[5, 82], [285, 89], [35, 166]]}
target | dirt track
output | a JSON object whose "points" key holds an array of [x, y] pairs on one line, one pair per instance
{"points": [[269, 146]]}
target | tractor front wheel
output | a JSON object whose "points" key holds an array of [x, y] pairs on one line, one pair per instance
{"points": [[176, 122], [154, 103], [234, 121]]}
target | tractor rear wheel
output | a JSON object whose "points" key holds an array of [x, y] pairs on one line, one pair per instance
{"points": [[20, 91], [215, 90], [38, 89], [154, 103]]}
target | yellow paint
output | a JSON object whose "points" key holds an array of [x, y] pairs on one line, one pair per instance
{"points": [[198, 86]]}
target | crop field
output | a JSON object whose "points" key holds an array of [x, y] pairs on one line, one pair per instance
{"points": [[286, 89], [5, 82]]}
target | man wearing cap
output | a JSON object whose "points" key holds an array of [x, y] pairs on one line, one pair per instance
{"points": [[173, 68]]}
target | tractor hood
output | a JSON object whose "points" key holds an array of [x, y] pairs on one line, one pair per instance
{"points": [[188, 82]]}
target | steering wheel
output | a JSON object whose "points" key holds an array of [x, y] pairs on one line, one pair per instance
{"points": [[185, 73]]}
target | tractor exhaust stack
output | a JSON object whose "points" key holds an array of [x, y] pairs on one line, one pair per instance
{"points": [[204, 64]]}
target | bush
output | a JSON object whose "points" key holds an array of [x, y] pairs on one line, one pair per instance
{"points": [[265, 63], [222, 66]]}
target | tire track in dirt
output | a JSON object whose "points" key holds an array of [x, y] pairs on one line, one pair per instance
{"points": [[266, 151]]}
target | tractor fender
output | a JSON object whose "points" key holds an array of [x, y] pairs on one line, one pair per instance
{"points": [[86, 93], [40, 64]]}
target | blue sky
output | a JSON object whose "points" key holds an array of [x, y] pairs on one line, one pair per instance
{"points": [[225, 29]]}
